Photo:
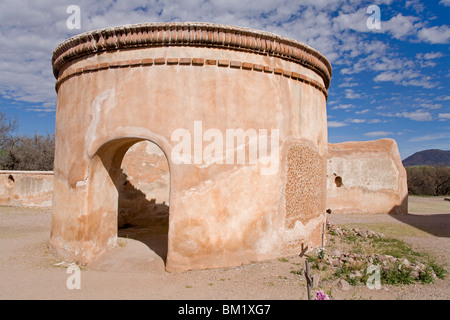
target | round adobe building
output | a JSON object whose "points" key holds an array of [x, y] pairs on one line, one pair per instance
{"points": [[240, 116]]}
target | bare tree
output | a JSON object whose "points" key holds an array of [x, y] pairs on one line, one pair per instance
{"points": [[7, 127], [29, 153]]}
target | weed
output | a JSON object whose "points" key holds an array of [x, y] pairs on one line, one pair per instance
{"points": [[395, 248], [396, 275], [298, 272], [439, 270]]}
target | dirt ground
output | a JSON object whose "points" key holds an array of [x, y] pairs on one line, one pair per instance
{"points": [[134, 271]]}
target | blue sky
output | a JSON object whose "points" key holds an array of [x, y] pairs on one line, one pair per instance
{"points": [[391, 81]]}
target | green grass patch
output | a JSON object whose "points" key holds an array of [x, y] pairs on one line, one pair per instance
{"points": [[392, 271]]}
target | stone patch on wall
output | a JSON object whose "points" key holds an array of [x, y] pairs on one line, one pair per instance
{"points": [[305, 185]]}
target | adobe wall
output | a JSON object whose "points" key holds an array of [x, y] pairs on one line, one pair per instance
{"points": [[123, 85], [26, 188], [145, 179], [366, 177]]}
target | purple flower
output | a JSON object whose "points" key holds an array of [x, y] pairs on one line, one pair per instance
{"points": [[320, 295]]}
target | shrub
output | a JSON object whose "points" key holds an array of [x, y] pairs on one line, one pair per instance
{"points": [[429, 181]]}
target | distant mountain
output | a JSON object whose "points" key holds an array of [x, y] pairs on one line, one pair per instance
{"points": [[433, 157]]}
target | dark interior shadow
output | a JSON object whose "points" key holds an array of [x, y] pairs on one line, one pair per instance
{"points": [[140, 219]]}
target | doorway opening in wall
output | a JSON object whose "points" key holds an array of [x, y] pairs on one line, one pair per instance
{"points": [[143, 197]]}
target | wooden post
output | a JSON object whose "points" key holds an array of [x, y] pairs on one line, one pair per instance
{"points": [[308, 279], [323, 233]]}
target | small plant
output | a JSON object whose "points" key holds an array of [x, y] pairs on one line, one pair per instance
{"points": [[320, 295], [439, 270], [298, 272], [321, 253], [396, 275]]}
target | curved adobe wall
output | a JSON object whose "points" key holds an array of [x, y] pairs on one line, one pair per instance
{"points": [[166, 83]]}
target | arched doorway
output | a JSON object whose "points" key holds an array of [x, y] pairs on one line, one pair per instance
{"points": [[129, 190], [143, 203]]}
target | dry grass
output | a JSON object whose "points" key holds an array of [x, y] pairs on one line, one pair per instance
{"points": [[418, 204]]}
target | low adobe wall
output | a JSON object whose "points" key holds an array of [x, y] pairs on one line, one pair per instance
{"points": [[366, 177], [145, 179], [362, 177], [26, 188]]}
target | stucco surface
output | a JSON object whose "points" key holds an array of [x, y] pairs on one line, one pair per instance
{"points": [[366, 177], [26, 188]]}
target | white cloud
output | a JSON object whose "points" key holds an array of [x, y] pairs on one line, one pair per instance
{"points": [[418, 115], [445, 2], [343, 107], [401, 26], [348, 85], [444, 116], [431, 106], [362, 111], [351, 94], [357, 120], [430, 137], [437, 34], [398, 26], [415, 4], [378, 134], [429, 55], [336, 124], [406, 77], [356, 21]]}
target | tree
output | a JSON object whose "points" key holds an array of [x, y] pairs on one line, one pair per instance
{"points": [[430, 181], [7, 127], [443, 181], [29, 153]]}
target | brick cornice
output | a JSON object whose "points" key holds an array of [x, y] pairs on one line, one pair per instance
{"points": [[71, 72], [190, 34]]}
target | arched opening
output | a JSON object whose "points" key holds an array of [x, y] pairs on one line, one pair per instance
{"points": [[129, 194], [143, 201]]}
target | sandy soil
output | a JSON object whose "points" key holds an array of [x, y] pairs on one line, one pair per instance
{"points": [[134, 271]]}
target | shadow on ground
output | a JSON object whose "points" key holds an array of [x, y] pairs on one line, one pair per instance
{"points": [[436, 224]]}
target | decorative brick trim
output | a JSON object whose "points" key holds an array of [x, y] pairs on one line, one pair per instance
{"points": [[190, 34], [71, 72]]}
